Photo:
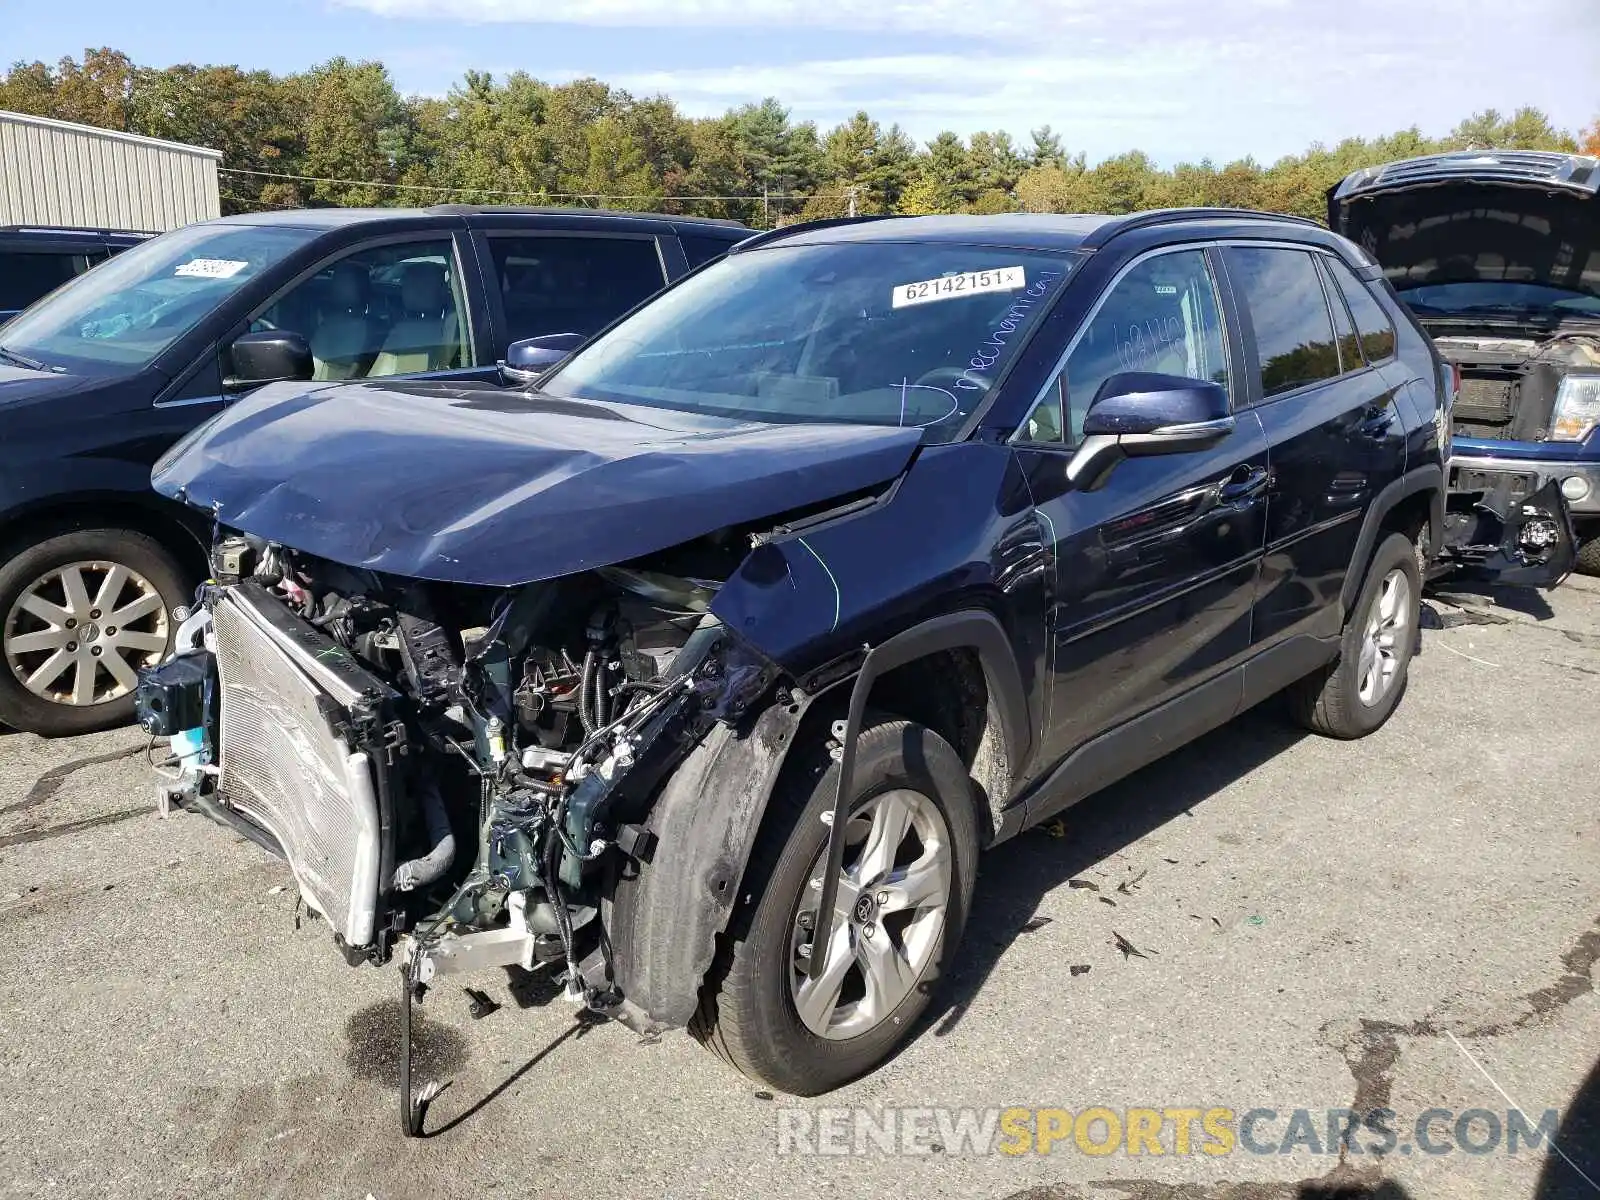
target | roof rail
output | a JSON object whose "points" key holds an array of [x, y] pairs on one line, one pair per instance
{"points": [[1165, 216], [767, 236], [563, 210]]}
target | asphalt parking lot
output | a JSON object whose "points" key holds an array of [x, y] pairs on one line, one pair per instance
{"points": [[1411, 921]]}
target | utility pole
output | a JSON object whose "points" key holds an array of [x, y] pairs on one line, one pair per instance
{"points": [[766, 221], [852, 199]]}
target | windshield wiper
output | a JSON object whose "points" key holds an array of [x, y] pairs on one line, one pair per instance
{"points": [[22, 360]]}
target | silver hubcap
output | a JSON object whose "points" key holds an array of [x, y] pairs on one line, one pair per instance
{"points": [[78, 634], [1384, 646], [888, 916]]}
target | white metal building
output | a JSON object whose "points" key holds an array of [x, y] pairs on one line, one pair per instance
{"points": [[57, 173]]}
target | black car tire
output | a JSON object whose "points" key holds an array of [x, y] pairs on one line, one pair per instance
{"points": [[22, 565], [1589, 553], [747, 1013], [1329, 700]]}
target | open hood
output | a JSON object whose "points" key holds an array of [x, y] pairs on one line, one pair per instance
{"points": [[473, 484], [1495, 216]]}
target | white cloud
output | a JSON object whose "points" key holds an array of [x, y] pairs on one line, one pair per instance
{"points": [[1180, 78]]}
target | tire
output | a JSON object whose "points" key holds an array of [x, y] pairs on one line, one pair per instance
{"points": [[748, 1013], [1332, 701], [1589, 553], [153, 588]]}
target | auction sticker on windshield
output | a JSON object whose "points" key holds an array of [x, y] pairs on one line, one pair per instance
{"points": [[948, 287], [211, 268]]}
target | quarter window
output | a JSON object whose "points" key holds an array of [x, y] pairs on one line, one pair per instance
{"points": [[386, 310], [1294, 334], [1161, 317], [1373, 324], [572, 284]]}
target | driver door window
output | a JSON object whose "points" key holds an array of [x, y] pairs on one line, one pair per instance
{"points": [[385, 310], [1161, 317]]}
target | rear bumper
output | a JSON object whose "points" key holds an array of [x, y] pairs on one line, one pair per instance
{"points": [[1540, 472]]}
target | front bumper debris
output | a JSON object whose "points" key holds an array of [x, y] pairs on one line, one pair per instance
{"points": [[1499, 531]]}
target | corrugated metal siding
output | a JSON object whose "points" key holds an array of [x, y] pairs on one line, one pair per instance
{"points": [[55, 173]]}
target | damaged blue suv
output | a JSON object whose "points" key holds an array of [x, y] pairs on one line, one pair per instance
{"points": [[699, 669]]}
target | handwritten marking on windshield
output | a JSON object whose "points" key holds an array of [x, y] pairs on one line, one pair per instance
{"points": [[973, 378], [906, 386]]}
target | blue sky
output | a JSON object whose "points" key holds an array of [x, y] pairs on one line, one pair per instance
{"points": [[1180, 79]]}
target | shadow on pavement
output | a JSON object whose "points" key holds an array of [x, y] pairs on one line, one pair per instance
{"points": [[1572, 1169], [1015, 876]]}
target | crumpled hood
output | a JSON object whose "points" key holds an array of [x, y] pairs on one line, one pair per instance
{"points": [[473, 484]]}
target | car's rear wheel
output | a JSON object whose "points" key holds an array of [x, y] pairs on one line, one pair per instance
{"points": [[909, 866], [1359, 691], [80, 613]]}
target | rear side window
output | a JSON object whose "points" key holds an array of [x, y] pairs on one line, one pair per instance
{"points": [[701, 250], [1349, 344], [26, 275], [572, 284], [1294, 334], [1372, 323]]}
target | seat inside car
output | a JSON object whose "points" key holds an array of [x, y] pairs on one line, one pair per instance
{"points": [[342, 338], [424, 338]]}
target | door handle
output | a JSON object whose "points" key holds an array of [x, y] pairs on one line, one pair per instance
{"points": [[1244, 483]]}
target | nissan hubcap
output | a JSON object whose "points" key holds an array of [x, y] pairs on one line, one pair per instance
{"points": [[888, 918], [78, 634], [1384, 645]]}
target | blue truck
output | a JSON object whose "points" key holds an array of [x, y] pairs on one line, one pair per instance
{"points": [[1497, 253]]}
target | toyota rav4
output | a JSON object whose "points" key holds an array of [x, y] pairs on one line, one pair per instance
{"points": [[698, 670]]}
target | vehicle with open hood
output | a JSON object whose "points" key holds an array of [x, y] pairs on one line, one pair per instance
{"points": [[1497, 252], [698, 669]]}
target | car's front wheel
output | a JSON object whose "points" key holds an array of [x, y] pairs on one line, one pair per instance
{"points": [[80, 613], [910, 861]]}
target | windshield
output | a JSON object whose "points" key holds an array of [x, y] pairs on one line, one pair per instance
{"points": [[1497, 296], [123, 313], [879, 333]]}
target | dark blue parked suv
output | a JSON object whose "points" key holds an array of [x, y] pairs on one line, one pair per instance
{"points": [[701, 668], [104, 374], [1498, 255]]}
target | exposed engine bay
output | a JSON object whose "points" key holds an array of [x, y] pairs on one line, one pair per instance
{"points": [[485, 751], [1509, 381]]}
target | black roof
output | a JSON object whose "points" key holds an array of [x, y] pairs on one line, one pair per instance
{"points": [[339, 218], [1042, 231]]}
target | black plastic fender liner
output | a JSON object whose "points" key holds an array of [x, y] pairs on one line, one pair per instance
{"points": [[971, 628], [664, 918], [665, 915], [1418, 479]]}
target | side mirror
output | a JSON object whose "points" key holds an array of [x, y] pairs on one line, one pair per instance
{"points": [[1137, 414], [530, 358], [268, 356]]}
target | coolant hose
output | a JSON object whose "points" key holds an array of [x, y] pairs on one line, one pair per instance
{"points": [[419, 872]]}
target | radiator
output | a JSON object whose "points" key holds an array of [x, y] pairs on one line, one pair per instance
{"points": [[284, 768], [1484, 399]]}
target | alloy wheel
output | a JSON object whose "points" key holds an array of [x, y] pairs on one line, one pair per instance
{"points": [[1385, 642], [78, 634], [889, 916]]}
